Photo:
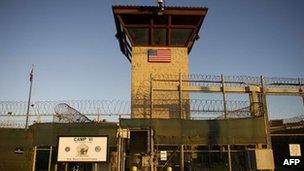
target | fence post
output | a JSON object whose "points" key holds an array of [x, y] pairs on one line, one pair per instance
{"points": [[264, 102], [66, 166], [151, 149], [229, 159], [50, 158], [182, 157], [224, 95], [34, 159], [151, 96], [180, 97], [119, 150], [301, 90]]}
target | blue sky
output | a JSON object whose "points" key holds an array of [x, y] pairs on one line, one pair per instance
{"points": [[76, 56]]}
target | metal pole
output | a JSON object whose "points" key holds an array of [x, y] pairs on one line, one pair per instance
{"points": [[34, 159], [151, 96], [224, 95], [151, 130], [50, 158], [303, 99], [152, 150], [29, 98], [119, 150], [248, 158], [266, 123], [123, 159], [95, 167], [300, 85], [229, 158], [182, 167], [98, 111], [180, 97], [66, 166]]}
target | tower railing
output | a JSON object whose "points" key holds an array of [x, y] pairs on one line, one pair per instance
{"points": [[230, 81]]}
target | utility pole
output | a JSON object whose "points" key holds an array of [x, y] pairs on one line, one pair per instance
{"points": [[29, 98]]}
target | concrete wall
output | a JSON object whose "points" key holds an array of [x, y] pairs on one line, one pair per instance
{"points": [[166, 104]]}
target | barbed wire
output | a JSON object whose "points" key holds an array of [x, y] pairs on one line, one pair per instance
{"points": [[65, 113], [87, 107], [294, 119], [232, 81], [115, 109], [109, 107], [12, 113], [284, 82]]}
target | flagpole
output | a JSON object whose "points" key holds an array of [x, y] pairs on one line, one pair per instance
{"points": [[29, 98]]}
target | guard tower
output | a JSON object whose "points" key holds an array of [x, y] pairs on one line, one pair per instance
{"points": [[157, 42]]}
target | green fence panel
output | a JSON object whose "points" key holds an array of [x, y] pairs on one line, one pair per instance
{"points": [[204, 132]]}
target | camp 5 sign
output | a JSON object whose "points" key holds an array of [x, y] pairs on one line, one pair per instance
{"points": [[82, 149]]}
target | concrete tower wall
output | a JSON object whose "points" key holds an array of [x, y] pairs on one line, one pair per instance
{"points": [[165, 104]]}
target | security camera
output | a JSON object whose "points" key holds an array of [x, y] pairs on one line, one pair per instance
{"points": [[160, 4]]}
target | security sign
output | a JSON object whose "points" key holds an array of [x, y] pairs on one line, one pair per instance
{"points": [[294, 149], [163, 155], [82, 149]]}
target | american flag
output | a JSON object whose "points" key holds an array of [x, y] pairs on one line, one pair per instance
{"points": [[159, 55]]}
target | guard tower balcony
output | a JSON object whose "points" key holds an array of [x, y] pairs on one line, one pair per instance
{"points": [[150, 26]]}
